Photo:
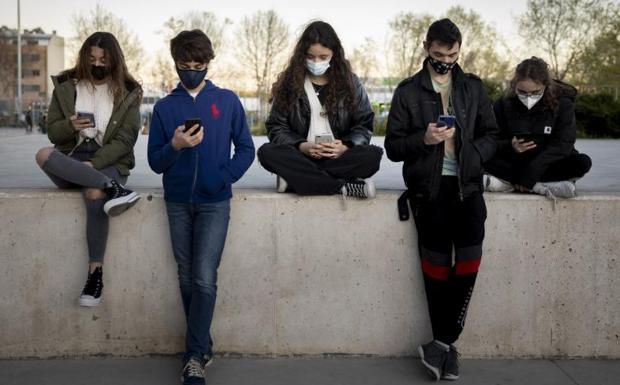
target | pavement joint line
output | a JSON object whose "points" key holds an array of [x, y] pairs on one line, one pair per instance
{"points": [[554, 362]]}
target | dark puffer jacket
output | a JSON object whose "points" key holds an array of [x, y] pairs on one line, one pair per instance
{"points": [[552, 128]]}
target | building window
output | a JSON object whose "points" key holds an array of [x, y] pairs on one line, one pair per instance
{"points": [[31, 88]]}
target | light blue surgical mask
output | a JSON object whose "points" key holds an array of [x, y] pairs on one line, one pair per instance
{"points": [[317, 68]]}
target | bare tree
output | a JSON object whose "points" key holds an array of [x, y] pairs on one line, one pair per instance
{"points": [[407, 33], [483, 52], [364, 59], [205, 21], [262, 40], [100, 19], [564, 28], [162, 69]]}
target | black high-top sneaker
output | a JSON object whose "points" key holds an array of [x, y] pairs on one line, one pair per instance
{"points": [[359, 188], [120, 199], [91, 294]]}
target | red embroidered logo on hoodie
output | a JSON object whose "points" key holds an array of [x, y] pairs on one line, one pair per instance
{"points": [[214, 111]]}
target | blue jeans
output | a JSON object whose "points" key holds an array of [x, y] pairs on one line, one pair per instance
{"points": [[198, 233]]}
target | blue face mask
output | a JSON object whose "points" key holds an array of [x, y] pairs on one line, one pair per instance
{"points": [[317, 69], [191, 79]]}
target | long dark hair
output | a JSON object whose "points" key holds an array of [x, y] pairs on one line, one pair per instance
{"points": [[120, 76], [290, 83], [536, 69]]}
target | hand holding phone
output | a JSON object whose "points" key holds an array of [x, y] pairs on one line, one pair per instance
{"points": [[184, 138], [446, 121], [83, 120], [193, 124]]}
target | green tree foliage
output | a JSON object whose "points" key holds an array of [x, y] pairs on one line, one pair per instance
{"points": [[564, 29]]}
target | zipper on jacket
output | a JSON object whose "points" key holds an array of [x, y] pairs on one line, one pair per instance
{"points": [[191, 198], [460, 157]]}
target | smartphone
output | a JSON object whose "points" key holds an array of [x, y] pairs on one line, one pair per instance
{"points": [[527, 137], [189, 123], [446, 120], [87, 115], [323, 139]]}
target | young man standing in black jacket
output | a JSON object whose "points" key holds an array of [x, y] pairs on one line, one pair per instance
{"points": [[442, 169]]}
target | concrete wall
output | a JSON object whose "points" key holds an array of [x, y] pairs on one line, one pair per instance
{"points": [[304, 276]]}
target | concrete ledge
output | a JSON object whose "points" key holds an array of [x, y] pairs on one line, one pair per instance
{"points": [[303, 276]]}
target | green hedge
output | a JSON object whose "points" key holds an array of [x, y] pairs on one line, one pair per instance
{"points": [[598, 116]]}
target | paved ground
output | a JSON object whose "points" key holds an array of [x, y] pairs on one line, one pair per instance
{"points": [[302, 371], [19, 170]]}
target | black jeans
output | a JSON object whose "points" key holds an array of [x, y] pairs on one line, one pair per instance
{"points": [[444, 225], [512, 167], [307, 176]]}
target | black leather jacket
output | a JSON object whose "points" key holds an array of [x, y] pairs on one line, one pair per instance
{"points": [[416, 104], [353, 128]]}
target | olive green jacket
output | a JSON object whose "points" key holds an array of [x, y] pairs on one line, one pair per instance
{"points": [[120, 135]]}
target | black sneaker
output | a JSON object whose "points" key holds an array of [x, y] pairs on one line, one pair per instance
{"points": [[451, 366], [119, 199], [359, 188], [193, 372], [91, 294], [433, 357], [208, 357]]}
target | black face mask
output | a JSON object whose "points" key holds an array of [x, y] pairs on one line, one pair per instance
{"points": [[191, 79], [99, 72], [441, 67]]}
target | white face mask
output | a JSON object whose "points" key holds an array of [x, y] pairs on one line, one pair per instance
{"points": [[529, 101], [317, 69]]}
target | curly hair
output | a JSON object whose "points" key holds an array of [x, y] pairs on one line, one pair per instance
{"points": [[289, 85]]}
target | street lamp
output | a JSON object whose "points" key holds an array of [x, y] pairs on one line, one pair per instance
{"points": [[18, 105]]}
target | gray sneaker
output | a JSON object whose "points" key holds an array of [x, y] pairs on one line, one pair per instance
{"points": [[451, 366], [433, 357], [564, 189]]}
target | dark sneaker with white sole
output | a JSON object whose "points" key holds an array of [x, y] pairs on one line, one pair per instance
{"points": [[359, 188], [433, 357], [193, 372], [451, 366], [120, 199], [91, 294]]}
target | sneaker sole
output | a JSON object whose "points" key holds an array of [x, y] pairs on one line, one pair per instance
{"points": [[87, 302], [118, 206], [450, 377], [433, 371]]}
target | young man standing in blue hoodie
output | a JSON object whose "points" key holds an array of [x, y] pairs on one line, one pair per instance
{"points": [[198, 173]]}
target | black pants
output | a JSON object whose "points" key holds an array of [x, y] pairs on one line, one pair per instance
{"points": [[307, 176], [511, 168], [445, 225]]}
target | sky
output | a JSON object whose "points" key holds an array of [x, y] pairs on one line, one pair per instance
{"points": [[353, 20]]}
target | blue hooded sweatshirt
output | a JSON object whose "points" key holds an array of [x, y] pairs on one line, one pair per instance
{"points": [[204, 173]]}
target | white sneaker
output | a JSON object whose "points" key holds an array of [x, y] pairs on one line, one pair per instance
{"points": [[493, 184], [563, 189], [281, 184]]}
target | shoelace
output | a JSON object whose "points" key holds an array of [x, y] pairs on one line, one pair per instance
{"points": [[194, 369], [93, 286], [549, 195], [355, 189]]}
